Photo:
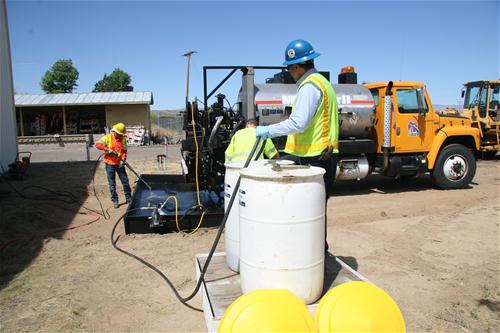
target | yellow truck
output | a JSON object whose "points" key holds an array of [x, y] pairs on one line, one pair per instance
{"points": [[482, 105], [390, 128], [445, 143]]}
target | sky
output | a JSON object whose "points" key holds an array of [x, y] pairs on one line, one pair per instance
{"points": [[441, 43]]}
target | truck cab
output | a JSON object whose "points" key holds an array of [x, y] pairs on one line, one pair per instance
{"points": [[413, 120], [420, 138]]}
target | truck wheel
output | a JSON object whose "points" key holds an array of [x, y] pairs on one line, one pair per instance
{"points": [[455, 167]]}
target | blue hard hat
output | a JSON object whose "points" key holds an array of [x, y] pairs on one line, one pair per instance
{"points": [[298, 51]]}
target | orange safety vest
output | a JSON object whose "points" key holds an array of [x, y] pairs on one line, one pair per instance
{"points": [[112, 142]]}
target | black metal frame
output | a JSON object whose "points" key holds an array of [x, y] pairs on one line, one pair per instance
{"points": [[233, 69]]}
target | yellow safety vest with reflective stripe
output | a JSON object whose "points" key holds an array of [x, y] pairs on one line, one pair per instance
{"points": [[323, 131], [242, 143]]}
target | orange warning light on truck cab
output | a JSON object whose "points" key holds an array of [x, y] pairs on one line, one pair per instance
{"points": [[347, 69]]}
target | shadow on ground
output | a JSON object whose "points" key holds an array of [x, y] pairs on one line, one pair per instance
{"points": [[376, 183], [333, 271], [45, 212], [382, 184]]}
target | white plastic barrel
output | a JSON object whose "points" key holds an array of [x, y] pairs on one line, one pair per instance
{"points": [[282, 230], [232, 230]]}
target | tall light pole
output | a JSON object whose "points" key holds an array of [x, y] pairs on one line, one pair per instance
{"points": [[188, 55]]}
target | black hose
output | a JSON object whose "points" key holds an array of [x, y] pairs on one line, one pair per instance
{"points": [[63, 196], [184, 300], [137, 175], [106, 215], [144, 262]]}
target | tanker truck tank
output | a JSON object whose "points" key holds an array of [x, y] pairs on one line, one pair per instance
{"points": [[355, 103], [356, 107]]}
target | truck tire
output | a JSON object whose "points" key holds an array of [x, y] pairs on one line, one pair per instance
{"points": [[455, 167]]}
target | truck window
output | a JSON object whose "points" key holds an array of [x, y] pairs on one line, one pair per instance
{"points": [[483, 99], [375, 96], [494, 107], [471, 97], [408, 101]]}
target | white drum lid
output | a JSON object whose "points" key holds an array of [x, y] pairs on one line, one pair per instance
{"points": [[241, 164], [284, 173]]}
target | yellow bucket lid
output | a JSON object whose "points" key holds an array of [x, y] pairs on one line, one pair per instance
{"points": [[267, 310], [358, 307]]}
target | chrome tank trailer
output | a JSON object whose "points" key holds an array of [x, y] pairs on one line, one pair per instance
{"points": [[356, 107], [355, 102]]}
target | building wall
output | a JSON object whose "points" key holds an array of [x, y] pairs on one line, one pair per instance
{"points": [[8, 133], [130, 115]]}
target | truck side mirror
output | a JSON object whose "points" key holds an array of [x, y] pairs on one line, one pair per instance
{"points": [[463, 93], [422, 106]]}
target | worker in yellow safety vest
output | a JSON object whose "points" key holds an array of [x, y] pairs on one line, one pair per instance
{"points": [[115, 146], [243, 141], [313, 126]]}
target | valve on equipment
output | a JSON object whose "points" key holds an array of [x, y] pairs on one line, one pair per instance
{"points": [[155, 218]]}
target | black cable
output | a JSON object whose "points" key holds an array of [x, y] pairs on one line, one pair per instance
{"points": [[228, 102], [106, 215], [144, 262], [7, 181], [261, 150], [192, 209], [56, 196], [60, 195], [184, 300]]}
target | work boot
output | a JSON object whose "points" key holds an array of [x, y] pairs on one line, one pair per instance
{"points": [[116, 204]]}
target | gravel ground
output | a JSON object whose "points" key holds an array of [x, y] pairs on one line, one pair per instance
{"points": [[436, 252]]}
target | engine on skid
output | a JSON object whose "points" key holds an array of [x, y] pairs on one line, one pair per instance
{"points": [[208, 133], [209, 130]]}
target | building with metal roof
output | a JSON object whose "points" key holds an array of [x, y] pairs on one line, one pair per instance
{"points": [[102, 98], [43, 114]]}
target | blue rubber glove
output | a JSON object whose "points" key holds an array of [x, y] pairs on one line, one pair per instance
{"points": [[262, 132]]}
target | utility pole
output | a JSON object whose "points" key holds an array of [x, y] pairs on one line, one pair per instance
{"points": [[188, 55]]}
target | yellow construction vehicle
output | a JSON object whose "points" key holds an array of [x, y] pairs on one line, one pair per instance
{"points": [[482, 106], [411, 138]]}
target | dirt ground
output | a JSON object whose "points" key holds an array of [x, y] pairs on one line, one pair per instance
{"points": [[436, 252]]}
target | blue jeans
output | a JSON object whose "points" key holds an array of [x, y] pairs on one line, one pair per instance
{"points": [[122, 174]]}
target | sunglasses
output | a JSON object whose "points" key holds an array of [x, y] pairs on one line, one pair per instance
{"points": [[289, 67]]}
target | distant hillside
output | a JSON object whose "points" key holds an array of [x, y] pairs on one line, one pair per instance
{"points": [[442, 107], [168, 111]]}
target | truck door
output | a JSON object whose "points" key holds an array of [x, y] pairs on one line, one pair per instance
{"points": [[494, 103], [413, 125]]}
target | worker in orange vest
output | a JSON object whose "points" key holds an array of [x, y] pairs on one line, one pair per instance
{"points": [[115, 146]]}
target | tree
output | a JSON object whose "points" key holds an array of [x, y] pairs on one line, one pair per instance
{"points": [[60, 78], [118, 80]]}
